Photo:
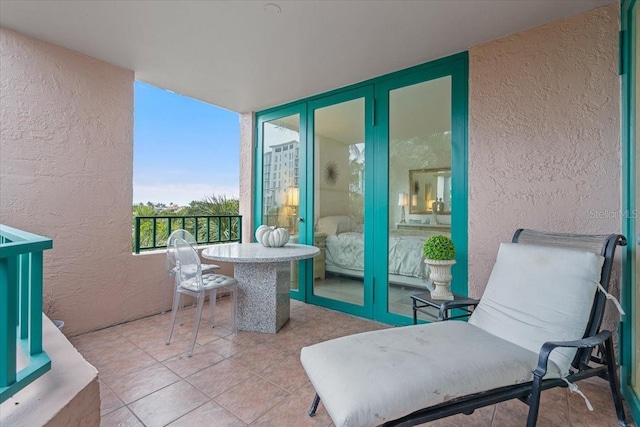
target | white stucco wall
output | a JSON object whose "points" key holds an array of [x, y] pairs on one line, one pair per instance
{"points": [[66, 165], [544, 134]]}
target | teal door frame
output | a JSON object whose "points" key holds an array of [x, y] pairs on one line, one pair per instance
{"points": [[375, 92], [457, 69], [628, 334], [365, 92], [261, 119]]}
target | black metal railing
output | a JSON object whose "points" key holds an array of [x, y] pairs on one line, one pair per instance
{"points": [[152, 232]]}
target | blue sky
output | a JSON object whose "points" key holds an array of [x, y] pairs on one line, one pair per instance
{"points": [[184, 149]]}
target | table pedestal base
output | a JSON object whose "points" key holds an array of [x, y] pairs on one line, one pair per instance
{"points": [[263, 296]]}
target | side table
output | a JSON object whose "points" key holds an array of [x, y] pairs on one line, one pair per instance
{"points": [[424, 300]]}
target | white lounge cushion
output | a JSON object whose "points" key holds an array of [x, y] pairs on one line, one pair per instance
{"points": [[374, 377], [537, 294]]}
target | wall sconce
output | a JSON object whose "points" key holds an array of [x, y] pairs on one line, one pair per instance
{"points": [[403, 200]]}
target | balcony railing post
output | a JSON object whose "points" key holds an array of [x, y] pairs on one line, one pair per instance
{"points": [[136, 239], [24, 285], [35, 308], [153, 232], [8, 307]]}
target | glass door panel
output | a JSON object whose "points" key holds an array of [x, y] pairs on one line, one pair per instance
{"points": [[339, 166], [419, 195], [635, 374], [281, 177]]}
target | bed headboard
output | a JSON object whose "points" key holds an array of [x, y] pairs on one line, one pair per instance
{"points": [[336, 224]]}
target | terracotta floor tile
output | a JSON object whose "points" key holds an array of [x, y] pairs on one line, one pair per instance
{"points": [[251, 398], [598, 393], [101, 346], [226, 347], [95, 338], [210, 414], [136, 385], [203, 356], [249, 339], [122, 417], [287, 373], [133, 328], [553, 411], [151, 335], [125, 364], [292, 411], [109, 401], [218, 378], [166, 405], [160, 351], [259, 357]]}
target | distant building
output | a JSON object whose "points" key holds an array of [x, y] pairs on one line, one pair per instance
{"points": [[281, 172]]}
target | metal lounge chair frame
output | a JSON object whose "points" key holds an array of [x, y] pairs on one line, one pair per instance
{"points": [[583, 362]]}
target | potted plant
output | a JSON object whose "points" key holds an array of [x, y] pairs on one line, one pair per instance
{"points": [[439, 252]]}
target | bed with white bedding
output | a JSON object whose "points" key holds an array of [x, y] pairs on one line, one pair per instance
{"points": [[344, 250]]}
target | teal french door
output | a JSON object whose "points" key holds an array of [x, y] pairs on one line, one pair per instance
{"points": [[357, 172], [340, 194], [629, 345]]}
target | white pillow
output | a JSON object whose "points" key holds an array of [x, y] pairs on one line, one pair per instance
{"points": [[335, 224], [537, 294]]}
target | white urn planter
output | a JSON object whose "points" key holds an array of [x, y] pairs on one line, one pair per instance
{"points": [[440, 274]]}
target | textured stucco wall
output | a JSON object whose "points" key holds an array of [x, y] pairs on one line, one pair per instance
{"points": [[544, 140], [66, 164], [247, 167]]}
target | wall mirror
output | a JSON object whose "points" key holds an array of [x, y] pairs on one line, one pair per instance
{"points": [[429, 190]]}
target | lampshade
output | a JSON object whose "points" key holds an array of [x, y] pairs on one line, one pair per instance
{"points": [[414, 200], [293, 196], [403, 199]]}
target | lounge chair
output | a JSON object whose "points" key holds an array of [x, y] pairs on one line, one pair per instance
{"points": [[536, 327]]}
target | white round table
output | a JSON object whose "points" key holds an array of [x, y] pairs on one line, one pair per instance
{"points": [[263, 281]]}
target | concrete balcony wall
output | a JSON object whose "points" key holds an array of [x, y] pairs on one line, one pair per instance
{"points": [[67, 395], [544, 135], [66, 173]]}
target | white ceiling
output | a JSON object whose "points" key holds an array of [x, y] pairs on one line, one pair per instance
{"points": [[240, 56]]}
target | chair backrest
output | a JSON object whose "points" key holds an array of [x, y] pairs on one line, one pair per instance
{"points": [[188, 267], [178, 234], [601, 244]]}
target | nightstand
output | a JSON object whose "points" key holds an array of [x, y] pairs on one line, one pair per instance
{"points": [[319, 270], [319, 260]]}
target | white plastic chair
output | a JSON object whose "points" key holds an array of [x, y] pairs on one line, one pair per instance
{"points": [[191, 281], [171, 260]]}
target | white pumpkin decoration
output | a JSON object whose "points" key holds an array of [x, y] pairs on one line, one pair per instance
{"points": [[272, 236]]}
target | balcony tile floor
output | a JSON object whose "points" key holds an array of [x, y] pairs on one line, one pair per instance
{"points": [[256, 379]]}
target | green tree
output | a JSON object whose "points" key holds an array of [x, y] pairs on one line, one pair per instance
{"points": [[213, 205]]}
